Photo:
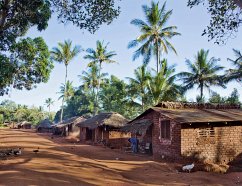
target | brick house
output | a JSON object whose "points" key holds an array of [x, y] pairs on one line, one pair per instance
{"points": [[202, 131], [104, 128]]}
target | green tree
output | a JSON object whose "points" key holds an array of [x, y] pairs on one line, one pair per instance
{"points": [[216, 98], [48, 103], [114, 98], [236, 73], [138, 86], [28, 64], [203, 73], [64, 54], [66, 92], [99, 56], [226, 18], [162, 85], [90, 80], [13, 112], [234, 97], [18, 16], [86, 14], [155, 36], [81, 103]]}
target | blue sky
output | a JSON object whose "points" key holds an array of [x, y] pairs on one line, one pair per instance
{"points": [[190, 23]]}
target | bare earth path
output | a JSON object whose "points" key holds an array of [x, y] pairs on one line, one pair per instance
{"points": [[60, 163]]}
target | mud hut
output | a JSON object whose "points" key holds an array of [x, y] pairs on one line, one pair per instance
{"points": [[104, 128], [208, 132], [25, 125], [44, 126], [68, 127]]}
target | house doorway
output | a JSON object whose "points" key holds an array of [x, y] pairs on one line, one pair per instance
{"points": [[90, 134]]}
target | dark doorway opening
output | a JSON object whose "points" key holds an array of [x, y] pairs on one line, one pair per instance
{"points": [[89, 134]]}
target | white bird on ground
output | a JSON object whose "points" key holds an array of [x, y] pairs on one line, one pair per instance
{"points": [[188, 167], [17, 152]]}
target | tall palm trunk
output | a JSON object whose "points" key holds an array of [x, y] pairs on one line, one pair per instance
{"points": [[157, 56], [142, 99], [142, 102], [49, 111], [63, 99], [98, 87], [201, 91]]}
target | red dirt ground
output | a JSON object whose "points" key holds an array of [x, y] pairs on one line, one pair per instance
{"points": [[61, 163]]}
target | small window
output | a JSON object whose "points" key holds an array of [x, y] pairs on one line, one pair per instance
{"points": [[165, 129], [206, 132]]}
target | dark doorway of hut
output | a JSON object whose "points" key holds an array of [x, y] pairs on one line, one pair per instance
{"points": [[145, 142], [90, 134]]}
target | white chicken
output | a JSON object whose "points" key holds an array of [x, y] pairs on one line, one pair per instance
{"points": [[188, 167], [17, 152]]}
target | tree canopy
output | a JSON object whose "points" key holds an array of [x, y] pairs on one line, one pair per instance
{"points": [[86, 14], [226, 18], [26, 64], [155, 35], [17, 17], [11, 112]]}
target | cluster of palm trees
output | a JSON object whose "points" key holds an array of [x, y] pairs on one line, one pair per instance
{"points": [[64, 54], [149, 86]]}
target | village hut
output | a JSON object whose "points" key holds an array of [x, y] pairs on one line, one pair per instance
{"points": [[44, 126], [68, 126], [18, 125], [7, 124], [24, 125], [104, 128], [208, 132]]}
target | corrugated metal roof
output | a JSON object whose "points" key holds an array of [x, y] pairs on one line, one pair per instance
{"points": [[201, 115]]}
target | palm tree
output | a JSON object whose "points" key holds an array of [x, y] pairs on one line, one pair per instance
{"points": [[48, 103], [155, 35], [162, 86], [99, 56], [138, 85], [66, 91], [90, 78], [203, 73], [236, 73], [64, 54]]}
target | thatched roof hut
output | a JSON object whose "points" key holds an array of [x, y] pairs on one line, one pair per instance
{"points": [[68, 126], [44, 126], [74, 120], [25, 125], [104, 128], [111, 119]]}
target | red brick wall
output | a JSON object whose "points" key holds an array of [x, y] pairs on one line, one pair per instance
{"points": [[164, 147], [167, 148], [222, 148]]}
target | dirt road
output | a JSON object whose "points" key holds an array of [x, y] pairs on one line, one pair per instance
{"points": [[60, 163]]}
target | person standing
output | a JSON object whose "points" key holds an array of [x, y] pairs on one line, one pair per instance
{"points": [[134, 144]]}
